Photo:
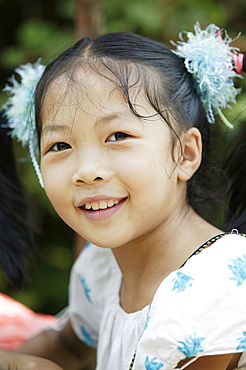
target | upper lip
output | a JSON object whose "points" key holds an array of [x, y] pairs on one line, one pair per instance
{"points": [[98, 199]]}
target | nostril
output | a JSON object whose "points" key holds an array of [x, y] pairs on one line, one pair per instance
{"points": [[86, 179], [91, 174]]}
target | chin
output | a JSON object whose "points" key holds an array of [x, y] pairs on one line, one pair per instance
{"points": [[109, 244]]}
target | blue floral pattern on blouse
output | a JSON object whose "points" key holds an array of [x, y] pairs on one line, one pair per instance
{"points": [[192, 346], [239, 269], [152, 364], [182, 281], [178, 323], [86, 336], [242, 341], [148, 318], [85, 287]]}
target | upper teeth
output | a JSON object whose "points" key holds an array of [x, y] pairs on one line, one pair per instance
{"points": [[101, 205]]}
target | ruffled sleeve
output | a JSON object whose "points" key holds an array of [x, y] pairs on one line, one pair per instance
{"points": [[90, 280], [199, 309]]}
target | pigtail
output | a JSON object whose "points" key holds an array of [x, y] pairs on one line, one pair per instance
{"points": [[235, 166], [16, 234]]}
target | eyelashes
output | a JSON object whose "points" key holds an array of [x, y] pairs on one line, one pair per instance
{"points": [[118, 136], [60, 146], [57, 147]]}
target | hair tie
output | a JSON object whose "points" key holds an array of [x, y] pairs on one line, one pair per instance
{"points": [[213, 64], [19, 108]]}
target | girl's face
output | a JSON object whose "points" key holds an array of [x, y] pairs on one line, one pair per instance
{"points": [[109, 174]]}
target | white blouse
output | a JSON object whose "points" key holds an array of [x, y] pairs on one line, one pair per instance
{"points": [[198, 310]]}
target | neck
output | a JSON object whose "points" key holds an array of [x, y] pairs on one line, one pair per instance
{"points": [[145, 263]]}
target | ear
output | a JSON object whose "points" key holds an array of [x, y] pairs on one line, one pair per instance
{"points": [[190, 159]]}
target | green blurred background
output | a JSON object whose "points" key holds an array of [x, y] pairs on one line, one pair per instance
{"points": [[30, 29]]}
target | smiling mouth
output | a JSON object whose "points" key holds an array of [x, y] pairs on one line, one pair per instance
{"points": [[100, 205]]}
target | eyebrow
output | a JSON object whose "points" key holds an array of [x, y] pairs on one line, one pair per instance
{"points": [[53, 128], [109, 117], [100, 120]]}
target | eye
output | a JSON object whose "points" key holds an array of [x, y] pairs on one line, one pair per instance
{"points": [[57, 147], [118, 136]]}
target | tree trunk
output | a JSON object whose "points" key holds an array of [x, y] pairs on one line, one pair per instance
{"points": [[89, 18]]}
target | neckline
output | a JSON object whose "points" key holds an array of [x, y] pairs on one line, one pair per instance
{"points": [[117, 302], [205, 245]]}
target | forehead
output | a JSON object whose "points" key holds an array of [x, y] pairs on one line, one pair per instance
{"points": [[92, 92], [84, 90]]}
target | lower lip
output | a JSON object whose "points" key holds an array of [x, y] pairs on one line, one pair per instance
{"points": [[102, 214]]}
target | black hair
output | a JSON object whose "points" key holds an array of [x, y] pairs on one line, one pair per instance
{"points": [[16, 232], [163, 78]]}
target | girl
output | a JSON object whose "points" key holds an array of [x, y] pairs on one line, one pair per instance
{"points": [[122, 124]]}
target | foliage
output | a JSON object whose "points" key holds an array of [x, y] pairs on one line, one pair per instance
{"points": [[42, 28]]}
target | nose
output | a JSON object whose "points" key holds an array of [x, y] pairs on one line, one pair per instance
{"points": [[90, 168]]}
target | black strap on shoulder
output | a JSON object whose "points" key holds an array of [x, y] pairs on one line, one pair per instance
{"points": [[211, 241]]}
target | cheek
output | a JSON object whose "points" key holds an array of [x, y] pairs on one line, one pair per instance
{"points": [[148, 177], [53, 195], [53, 185], [59, 203]]}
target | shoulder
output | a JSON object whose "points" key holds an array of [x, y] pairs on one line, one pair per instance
{"points": [[215, 262], [200, 309], [218, 271], [231, 240], [225, 245], [214, 268]]}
